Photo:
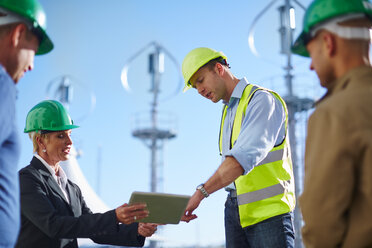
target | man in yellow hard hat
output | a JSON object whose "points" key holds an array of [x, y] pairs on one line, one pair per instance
{"points": [[337, 199], [256, 166], [22, 35]]}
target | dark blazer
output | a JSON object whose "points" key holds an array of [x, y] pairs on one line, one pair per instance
{"points": [[49, 221]]}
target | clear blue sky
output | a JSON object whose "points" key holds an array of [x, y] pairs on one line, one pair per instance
{"points": [[93, 40]]}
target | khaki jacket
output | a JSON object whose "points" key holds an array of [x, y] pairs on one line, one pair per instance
{"points": [[337, 200]]}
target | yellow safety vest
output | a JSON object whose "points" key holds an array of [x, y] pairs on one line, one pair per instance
{"points": [[268, 189]]}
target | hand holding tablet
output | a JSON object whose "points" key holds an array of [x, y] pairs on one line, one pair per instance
{"points": [[163, 208]]}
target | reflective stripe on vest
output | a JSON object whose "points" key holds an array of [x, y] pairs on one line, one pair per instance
{"points": [[262, 194], [268, 189]]}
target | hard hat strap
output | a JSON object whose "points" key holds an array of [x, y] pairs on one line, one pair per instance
{"points": [[46, 131], [345, 32], [10, 18]]}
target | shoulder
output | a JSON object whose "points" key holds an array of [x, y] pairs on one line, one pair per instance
{"points": [[262, 95], [30, 170], [27, 169], [346, 103], [29, 178], [264, 98], [29, 174]]}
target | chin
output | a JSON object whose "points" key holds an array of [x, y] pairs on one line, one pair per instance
{"points": [[16, 80], [66, 157]]}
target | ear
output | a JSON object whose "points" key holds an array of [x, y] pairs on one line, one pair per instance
{"points": [[220, 70], [40, 142], [329, 41], [17, 33]]}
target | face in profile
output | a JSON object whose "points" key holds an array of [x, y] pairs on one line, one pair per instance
{"points": [[57, 146], [319, 51], [22, 57], [209, 84]]}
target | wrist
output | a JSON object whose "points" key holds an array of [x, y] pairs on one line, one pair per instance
{"points": [[202, 190]]}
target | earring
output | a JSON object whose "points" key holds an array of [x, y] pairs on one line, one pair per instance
{"points": [[44, 150]]}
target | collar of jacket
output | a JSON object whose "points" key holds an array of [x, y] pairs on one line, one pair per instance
{"points": [[37, 164], [345, 81], [40, 167]]}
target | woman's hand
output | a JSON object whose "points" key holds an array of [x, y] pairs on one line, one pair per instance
{"points": [[147, 229], [127, 214]]}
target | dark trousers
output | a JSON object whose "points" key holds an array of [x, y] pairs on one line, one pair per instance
{"points": [[275, 232]]}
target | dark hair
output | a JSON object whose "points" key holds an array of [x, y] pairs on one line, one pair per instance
{"points": [[211, 64], [7, 28]]}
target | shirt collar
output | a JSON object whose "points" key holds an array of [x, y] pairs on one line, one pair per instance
{"points": [[2, 68], [238, 91], [343, 82], [62, 174], [3, 71]]}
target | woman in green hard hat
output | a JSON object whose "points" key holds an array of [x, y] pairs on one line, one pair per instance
{"points": [[53, 211]]}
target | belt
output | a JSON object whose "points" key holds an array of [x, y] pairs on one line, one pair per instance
{"points": [[232, 192]]}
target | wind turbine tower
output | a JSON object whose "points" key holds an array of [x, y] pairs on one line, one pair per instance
{"points": [[294, 103], [153, 136]]}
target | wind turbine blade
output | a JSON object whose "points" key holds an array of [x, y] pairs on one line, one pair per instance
{"points": [[124, 78], [251, 45], [124, 71], [299, 4], [177, 65]]}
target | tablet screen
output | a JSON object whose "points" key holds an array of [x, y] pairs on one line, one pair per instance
{"points": [[163, 208]]}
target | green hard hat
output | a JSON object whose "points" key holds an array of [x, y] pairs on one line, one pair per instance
{"points": [[48, 115], [323, 10], [33, 12], [196, 59]]}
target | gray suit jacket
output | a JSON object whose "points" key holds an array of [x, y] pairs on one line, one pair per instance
{"points": [[48, 220]]}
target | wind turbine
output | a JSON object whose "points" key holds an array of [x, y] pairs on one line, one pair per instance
{"points": [[151, 133], [295, 104]]}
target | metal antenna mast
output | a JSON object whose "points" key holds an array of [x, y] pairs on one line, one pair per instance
{"points": [[65, 91], [294, 103], [152, 135]]}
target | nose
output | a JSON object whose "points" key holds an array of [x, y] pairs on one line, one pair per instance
{"points": [[200, 89], [69, 140]]}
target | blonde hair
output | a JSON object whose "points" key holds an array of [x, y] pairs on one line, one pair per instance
{"points": [[34, 135]]}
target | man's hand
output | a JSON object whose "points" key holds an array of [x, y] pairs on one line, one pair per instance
{"points": [[127, 214], [147, 229], [194, 202]]}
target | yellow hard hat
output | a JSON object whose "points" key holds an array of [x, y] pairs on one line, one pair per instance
{"points": [[196, 59]]}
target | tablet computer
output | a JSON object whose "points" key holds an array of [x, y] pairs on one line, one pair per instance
{"points": [[163, 208]]}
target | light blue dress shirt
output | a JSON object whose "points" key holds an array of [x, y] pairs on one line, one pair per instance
{"points": [[263, 127], [10, 215]]}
